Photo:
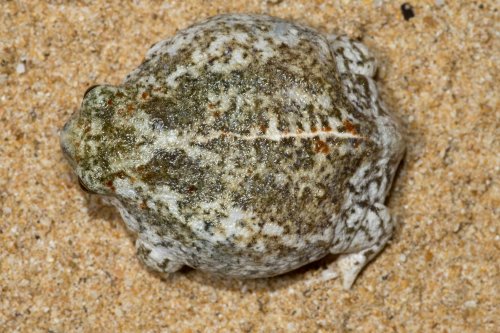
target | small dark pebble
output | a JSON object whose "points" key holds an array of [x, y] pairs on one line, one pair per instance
{"points": [[407, 11], [33, 114]]}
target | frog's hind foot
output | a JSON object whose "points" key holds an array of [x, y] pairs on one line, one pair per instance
{"points": [[370, 238], [351, 264], [352, 56]]}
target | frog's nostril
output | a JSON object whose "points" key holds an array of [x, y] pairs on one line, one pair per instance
{"points": [[66, 126], [83, 187]]}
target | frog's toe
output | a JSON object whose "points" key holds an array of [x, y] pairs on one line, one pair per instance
{"points": [[351, 264], [156, 257]]}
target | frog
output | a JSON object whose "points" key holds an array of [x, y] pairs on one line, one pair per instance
{"points": [[244, 146]]}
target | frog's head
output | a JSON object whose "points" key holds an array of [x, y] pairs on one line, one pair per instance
{"points": [[98, 138]]}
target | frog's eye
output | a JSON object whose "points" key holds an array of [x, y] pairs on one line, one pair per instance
{"points": [[89, 89], [83, 187]]}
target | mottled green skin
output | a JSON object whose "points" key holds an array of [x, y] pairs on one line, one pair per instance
{"points": [[234, 148]]}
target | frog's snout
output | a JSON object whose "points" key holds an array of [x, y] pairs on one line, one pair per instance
{"points": [[66, 139]]}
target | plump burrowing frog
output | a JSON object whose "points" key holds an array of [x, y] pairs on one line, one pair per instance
{"points": [[245, 146]]}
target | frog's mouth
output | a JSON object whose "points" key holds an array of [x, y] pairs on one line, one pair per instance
{"points": [[66, 140], [68, 150]]}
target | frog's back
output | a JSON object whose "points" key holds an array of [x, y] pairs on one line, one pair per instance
{"points": [[246, 146], [252, 148], [242, 75]]}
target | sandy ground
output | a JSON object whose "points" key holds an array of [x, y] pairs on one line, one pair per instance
{"points": [[68, 265]]}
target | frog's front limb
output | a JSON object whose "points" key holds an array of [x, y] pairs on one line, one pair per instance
{"points": [[156, 257]]}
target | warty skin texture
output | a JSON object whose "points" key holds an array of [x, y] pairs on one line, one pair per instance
{"points": [[245, 146]]}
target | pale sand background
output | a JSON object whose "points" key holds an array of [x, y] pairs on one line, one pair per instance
{"points": [[67, 264]]}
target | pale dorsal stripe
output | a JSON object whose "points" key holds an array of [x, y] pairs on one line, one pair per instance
{"points": [[278, 136], [303, 135]]}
